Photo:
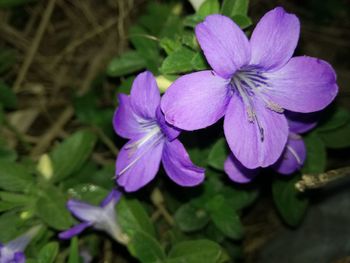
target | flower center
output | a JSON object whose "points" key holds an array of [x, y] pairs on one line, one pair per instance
{"points": [[250, 83], [140, 147]]}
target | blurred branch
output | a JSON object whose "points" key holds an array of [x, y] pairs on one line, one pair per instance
{"points": [[158, 201], [72, 46], [309, 181], [55, 129], [34, 46], [106, 140]]}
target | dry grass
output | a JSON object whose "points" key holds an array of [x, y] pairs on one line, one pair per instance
{"points": [[63, 45]]}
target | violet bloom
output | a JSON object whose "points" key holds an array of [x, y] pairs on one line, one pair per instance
{"points": [[100, 217], [152, 140], [251, 83], [292, 157], [12, 252]]}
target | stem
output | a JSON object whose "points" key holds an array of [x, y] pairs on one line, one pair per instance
{"points": [[315, 181], [158, 201]]}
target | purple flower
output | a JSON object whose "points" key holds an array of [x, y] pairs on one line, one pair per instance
{"points": [[152, 140], [292, 157], [100, 217], [12, 252], [251, 83]]}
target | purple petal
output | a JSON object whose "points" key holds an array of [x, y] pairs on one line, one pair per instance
{"points": [[237, 172], [137, 166], [170, 131], [125, 122], [75, 230], [21, 242], [6, 255], [178, 165], [274, 39], [224, 44], [145, 95], [196, 100], [113, 197], [293, 156], [245, 139], [304, 84], [19, 257], [302, 122], [83, 211]]}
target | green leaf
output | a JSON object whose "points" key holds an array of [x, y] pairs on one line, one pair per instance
{"points": [[191, 218], [242, 21], [171, 23], [6, 206], [48, 253], [74, 251], [7, 154], [337, 138], [7, 96], [189, 39], [18, 199], [225, 217], [197, 251], [183, 60], [145, 248], [86, 174], [90, 193], [235, 7], [133, 217], [209, 7], [193, 20], [89, 111], [125, 85], [218, 154], [14, 177], [127, 63], [9, 225], [199, 155], [7, 58], [155, 12], [146, 46], [51, 208], [169, 45], [71, 154], [213, 233], [172, 26], [316, 158], [290, 204], [239, 198], [103, 176], [211, 186], [337, 118]]}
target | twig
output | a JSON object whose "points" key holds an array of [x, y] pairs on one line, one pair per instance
{"points": [[97, 64], [105, 139], [107, 251], [51, 134], [82, 40], [34, 13], [98, 158], [18, 134], [155, 216], [35, 44], [88, 13], [309, 181], [158, 201]]}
